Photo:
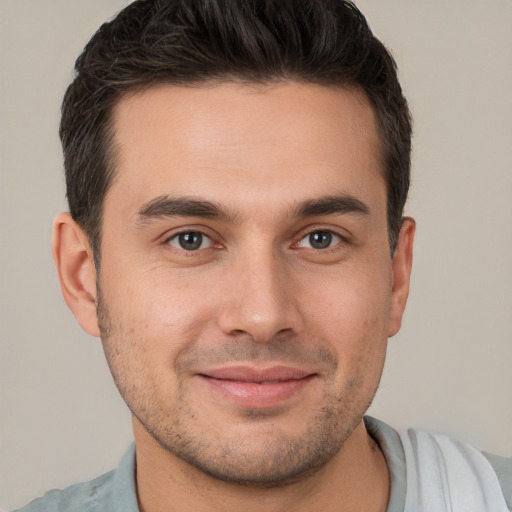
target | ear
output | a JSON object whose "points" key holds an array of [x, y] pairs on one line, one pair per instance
{"points": [[401, 275], [75, 265]]}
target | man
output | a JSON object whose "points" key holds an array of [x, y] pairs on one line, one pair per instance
{"points": [[236, 174]]}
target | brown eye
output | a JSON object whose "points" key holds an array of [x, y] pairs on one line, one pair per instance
{"points": [[190, 241]]}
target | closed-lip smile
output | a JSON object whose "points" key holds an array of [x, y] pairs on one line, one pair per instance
{"points": [[248, 386]]}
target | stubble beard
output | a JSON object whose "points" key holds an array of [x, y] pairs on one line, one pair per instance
{"points": [[280, 460]]}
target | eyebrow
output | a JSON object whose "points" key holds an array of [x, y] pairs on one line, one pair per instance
{"points": [[167, 206], [339, 204]]}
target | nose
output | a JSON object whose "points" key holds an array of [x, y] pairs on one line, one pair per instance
{"points": [[259, 299]]}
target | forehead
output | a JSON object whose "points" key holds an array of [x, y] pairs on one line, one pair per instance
{"points": [[258, 144]]}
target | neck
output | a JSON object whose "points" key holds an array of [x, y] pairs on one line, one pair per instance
{"points": [[356, 478]]}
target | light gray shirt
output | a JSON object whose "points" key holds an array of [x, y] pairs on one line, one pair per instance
{"points": [[116, 491]]}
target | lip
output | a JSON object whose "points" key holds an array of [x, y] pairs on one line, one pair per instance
{"points": [[257, 387]]}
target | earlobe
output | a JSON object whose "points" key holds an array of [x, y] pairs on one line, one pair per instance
{"points": [[401, 275], [75, 266]]}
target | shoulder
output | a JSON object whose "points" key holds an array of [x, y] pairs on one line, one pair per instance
{"points": [[83, 497], [503, 469], [437, 461], [418, 458], [114, 491]]}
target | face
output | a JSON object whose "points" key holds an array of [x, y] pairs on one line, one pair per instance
{"points": [[246, 278]]}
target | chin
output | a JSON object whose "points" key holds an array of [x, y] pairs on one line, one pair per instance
{"points": [[260, 454]]}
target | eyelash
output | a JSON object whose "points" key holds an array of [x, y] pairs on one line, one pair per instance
{"points": [[176, 236], [330, 234], [331, 237]]}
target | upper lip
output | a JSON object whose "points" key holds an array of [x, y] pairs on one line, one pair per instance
{"points": [[251, 374]]}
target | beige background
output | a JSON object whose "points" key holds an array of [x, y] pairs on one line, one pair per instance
{"points": [[450, 367]]}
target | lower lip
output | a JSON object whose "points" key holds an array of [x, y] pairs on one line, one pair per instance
{"points": [[256, 395]]}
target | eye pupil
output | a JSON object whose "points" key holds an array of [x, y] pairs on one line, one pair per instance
{"points": [[190, 241], [320, 239]]}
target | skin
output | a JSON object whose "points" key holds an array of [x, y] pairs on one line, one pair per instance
{"points": [[258, 293]]}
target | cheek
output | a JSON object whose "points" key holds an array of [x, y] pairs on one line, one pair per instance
{"points": [[154, 298], [352, 313], [350, 303], [146, 329]]}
